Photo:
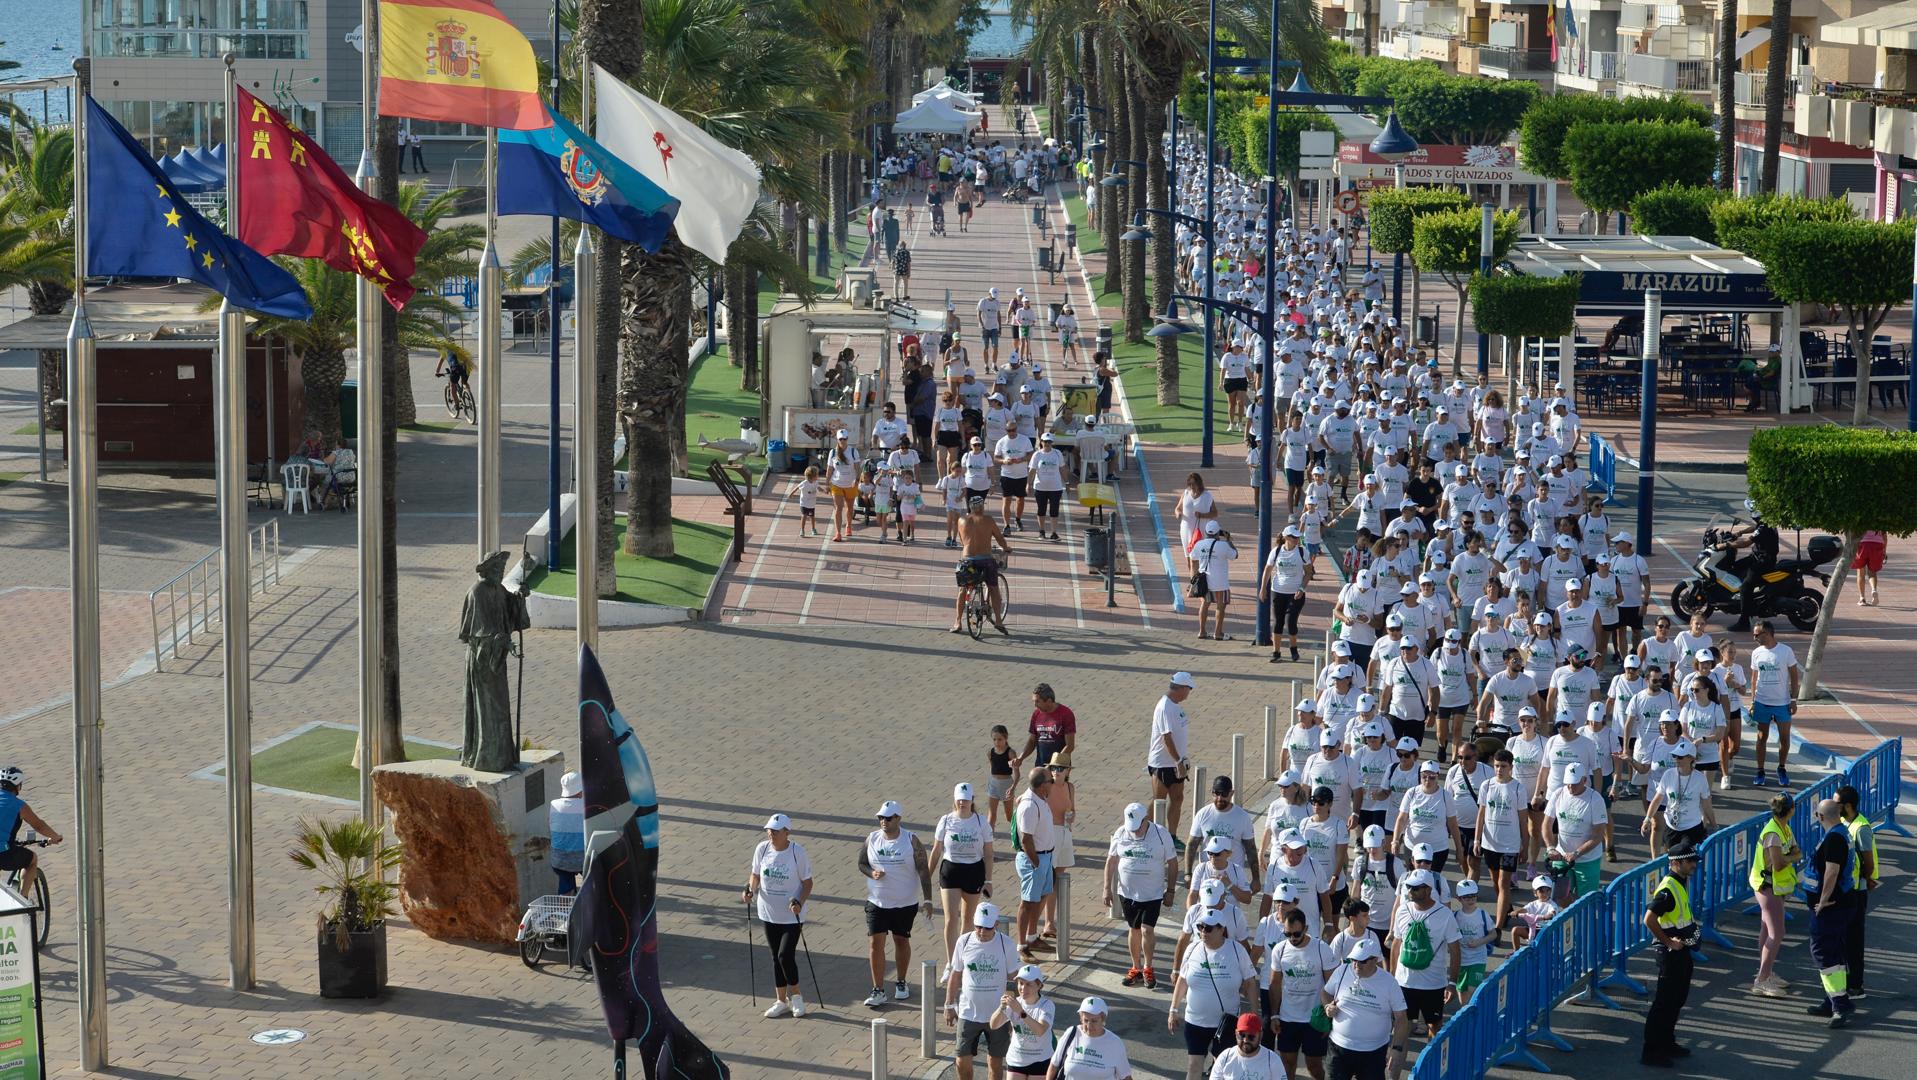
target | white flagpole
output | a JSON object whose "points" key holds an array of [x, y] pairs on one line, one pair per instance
{"points": [[236, 589], [83, 560], [585, 396], [372, 420], [492, 360]]}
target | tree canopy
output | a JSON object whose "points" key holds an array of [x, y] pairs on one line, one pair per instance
{"points": [[1448, 241], [1613, 163], [1678, 211], [1439, 108], [1519, 305], [1393, 210], [1744, 223], [1545, 124]]}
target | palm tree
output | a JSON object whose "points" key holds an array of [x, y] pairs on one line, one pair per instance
{"points": [[38, 188], [1727, 94], [1774, 91]]}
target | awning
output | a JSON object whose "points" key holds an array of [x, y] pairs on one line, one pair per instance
{"points": [[1692, 275], [1890, 27]]}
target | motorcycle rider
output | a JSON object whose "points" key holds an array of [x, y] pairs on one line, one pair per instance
{"points": [[1760, 537]]}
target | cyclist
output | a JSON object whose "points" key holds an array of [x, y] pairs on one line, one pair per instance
{"points": [[977, 532], [453, 368], [14, 810]]}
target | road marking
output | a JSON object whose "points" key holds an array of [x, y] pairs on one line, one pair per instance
{"points": [[765, 545], [812, 585]]}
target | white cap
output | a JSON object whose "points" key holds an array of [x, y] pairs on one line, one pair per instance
{"points": [[1542, 881], [841, 434], [1308, 705], [1467, 887], [1374, 836], [778, 821], [1574, 583], [961, 791], [1031, 973], [1341, 647], [890, 809], [1406, 745], [1365, 949], [1285, 779], [1135, 815], [1564, 542], [1633, 661], [1669, 716], [1394, 619], [1291, 530], [1421, 852], [570, 785], [1217, 845], [1434, 767], [1684, 749], [1092, 1006], [1292, 840], [1574, 773], [1211, 528], [1372, 730], [1622, 538], [1704, 654], [1286, 893], [1554, 462], [1453, 635], [1329, 738], [1212, 892], [1527, 710], [1421, 877], [1366, 702], [1182, 678], [1542, 618], [1596, 713], [985, 914]]}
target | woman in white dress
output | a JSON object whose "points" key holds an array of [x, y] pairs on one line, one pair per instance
{"points": [[1195, 507]]}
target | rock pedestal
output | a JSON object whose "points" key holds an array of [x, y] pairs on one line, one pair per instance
{"points": [[476, 842]]}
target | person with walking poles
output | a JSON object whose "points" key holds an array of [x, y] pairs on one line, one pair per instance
{"points": [[979, 970], [1369, 1027], [962, 855], [780, 879], [1863, 842], [1774, 881], [1834, 877], [1668, 918], [1165, 760], [1033, 833], [1248, 1059], [1029, 1014], [1215, 976], [1141, 864], [887, 861]]}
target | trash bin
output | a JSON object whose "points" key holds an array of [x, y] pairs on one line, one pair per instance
{"points": [[1071, 236], [797, 460], [1044, 258], [1098, 548], [349, 410], [1105, 340], [775, 457], [1055, 305], [1427, 328]]}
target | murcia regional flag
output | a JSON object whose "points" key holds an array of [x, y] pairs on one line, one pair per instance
{"points": [[716, 185]]}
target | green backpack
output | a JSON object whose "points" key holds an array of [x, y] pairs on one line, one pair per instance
{"points": [[1416, 952]]}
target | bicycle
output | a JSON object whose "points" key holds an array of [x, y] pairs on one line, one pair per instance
{"points": [[39, 901], [459, 402], [978, 600]]}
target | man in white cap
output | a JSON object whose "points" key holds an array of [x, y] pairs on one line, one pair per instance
{"points": [[1332, 768], [1633, 589], [1215, 977], [1089, 1051], [1223, 819], [1165, 755], [1336, 436], [1367, 1009], [1013, 454], [890, 856], [1413, 684], [1457, 690], [1560, 568], [780, 878], [1577, 826], [1357, 610], [1141, 863], [980, 969], [1292, 866], [1424, 934]]}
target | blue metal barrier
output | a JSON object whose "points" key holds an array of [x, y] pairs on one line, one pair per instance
{"points": [[1457, 1051], [1603, 459], [1630, 894], [1512, 992], [1879, 779]]}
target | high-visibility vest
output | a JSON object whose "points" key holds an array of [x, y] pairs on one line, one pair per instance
{"points": [[1679, 916], [1860, 832], [1783, 881]]}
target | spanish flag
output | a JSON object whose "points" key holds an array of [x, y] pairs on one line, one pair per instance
{"points": [[459, 61]]}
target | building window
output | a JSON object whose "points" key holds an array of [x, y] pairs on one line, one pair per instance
{"points": [[202, 29]]}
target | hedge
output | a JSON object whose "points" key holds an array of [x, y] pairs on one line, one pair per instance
{"points": [[1518, 305], [1613, 163], [1837, 479], [1542, 129], [1392, 210], [1744, 223], [1678, 211], [1441, 109]]}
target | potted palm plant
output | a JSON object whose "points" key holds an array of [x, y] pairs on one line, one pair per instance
{"points": [[354, 860]]}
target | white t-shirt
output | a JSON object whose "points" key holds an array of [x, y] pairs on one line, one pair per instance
{"points": [[1017, 447], [1509, 693], [1561, 753], [1141, 860], [1442, 924], [1322, 841], [1048, 470], [1426, 814], [1475, 925], [986, 969], [1035, 820], [1631, 572], [1287, 566], [781, 875], [1684, 798], [1339, 775], [1082, 1057], [1234, 825], [1501, 800], [1306, 879], [1772, 667], [1527, 759], [1215, 554], [1233, 1065], [889, 432], [1300, 971], [1454, 689], [1463, 789], [1029, 1046], [1700, 721], [978, 466], [1578, 818], [900, 885], [1365, 1007], [1229, 913], [1213, 978], [1167, 719], [963, 838]]}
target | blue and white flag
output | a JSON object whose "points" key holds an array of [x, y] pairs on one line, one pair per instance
{"points": [[558, 171]]}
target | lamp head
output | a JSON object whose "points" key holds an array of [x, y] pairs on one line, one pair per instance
{"points": [[1393, 143]]}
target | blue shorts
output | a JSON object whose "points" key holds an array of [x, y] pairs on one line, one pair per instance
{"points": [[1770, 714], [1034, 882], [990, 335]]}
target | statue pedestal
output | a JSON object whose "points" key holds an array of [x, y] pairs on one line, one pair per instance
{"points": [[476, 842]]}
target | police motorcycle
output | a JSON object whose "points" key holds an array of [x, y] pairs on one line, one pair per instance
{"points": [[1720, 573]]}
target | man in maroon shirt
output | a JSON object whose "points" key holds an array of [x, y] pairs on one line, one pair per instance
{"points": [[1054, 728]]}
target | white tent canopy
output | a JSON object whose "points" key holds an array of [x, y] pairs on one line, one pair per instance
{"points": [[935, 116], [943, 91]]}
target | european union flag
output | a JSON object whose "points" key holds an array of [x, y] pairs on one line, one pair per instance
{"points": [[140, 226], [558, 171]]}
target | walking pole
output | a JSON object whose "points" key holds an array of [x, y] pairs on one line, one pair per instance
{"points": [[817, 994], [519, 705], [752, 962]]}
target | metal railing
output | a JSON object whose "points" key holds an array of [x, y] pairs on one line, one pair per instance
{"points": [[1664, 73], [1595, 64], [197, 589], [1508, 59]]}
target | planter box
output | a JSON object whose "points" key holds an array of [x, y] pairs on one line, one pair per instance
{"points": [[358, 971]]}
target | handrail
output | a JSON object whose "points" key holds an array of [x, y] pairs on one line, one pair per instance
{"points": [[738, 504], [198, 587]]}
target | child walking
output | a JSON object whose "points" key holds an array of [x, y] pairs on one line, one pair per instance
{"points": [[952, 486], [809, 502], [1004, 772]]}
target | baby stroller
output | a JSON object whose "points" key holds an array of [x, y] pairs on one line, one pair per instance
{"points": [[1015, 192]]}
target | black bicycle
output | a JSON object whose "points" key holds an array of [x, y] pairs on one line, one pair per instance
{"points": [[39, 901], [459, 402]]}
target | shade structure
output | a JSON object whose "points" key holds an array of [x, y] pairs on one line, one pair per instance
{"points": [[944, 92], [935, 116]]}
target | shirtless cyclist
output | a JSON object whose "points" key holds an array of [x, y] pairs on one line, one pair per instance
{"points": [[977, 532]]}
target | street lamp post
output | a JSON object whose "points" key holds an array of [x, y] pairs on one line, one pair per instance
{"points": [[1211, 255], [1486, 229]]}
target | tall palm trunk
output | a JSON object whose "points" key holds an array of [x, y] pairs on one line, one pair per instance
{"points": [[50, 298], [396, 408], [1774, 90], [822, 258], [845, 195], [1161, 73], [1727, 93], [321, 373], [1144, 145]]}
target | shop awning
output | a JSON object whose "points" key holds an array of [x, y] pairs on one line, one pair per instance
{"points": [[1891, 27]]}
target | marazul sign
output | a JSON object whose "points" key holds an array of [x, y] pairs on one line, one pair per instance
{"points": [[1690, 283]]}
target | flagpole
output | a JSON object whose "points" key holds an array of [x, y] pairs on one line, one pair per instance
{"points": [[83, 560], [372, 422], [585, 413], [492, 360], [554, 454], [229, 395]]}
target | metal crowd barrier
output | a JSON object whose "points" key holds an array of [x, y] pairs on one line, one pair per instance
{"points": [[190, 601], [1601, 931]]}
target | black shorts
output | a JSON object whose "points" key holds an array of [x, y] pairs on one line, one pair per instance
{"points": [[896, 921], [1235, 386], [1140, 912], [1498, 860], [1295, 477], [971, 573], [1205, 1042], [1048, 502], [922, 429], [1013, 487], [997, 1039], [1298, 1035], [1166, 776], [977, 493], [1446, 712], [1695, 834], [16, 858], [1427, 1005], [1036, 1068], [965, 877], [1632, 617], [948, 438], [1467, 842]]}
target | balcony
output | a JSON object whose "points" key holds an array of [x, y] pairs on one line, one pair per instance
{"points": [[1587, 71], [1440, 47], [1468, 58], [1505, 62], [1750, 87], [1396, 44], [1661, 74]]}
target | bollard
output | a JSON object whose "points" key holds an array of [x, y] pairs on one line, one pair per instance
{"points": [[1317, 667], [928, 1009], [1062, 884], [1238, 761], [1160, 807], [1327, 645], [1271, 737], [1200, 789], [880, 1070]]}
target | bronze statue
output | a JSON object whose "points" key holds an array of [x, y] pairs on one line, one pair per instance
{"points": [[490, 617]]}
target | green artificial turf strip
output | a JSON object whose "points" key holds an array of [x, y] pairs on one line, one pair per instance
{"points": [[714, 404], [320, 761], [855, 244], [680, 581]]}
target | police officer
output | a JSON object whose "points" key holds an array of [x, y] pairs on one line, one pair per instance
{"points": [[1670, 922], [1863, 847], [1835, 867]]}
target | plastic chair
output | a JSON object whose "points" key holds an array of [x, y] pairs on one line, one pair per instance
{"points": [[294, 479], [1091, 456]]}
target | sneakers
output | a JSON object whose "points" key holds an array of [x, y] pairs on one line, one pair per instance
{"points": [[876, 998], [1760, 780], [1151, 979], [1822, 1008], [798, 1005], [778, 1009], [1783, 777], [1724, 781], [1768, 988], [900, 990], [1133, 976]]}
